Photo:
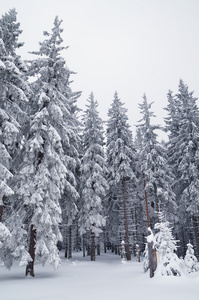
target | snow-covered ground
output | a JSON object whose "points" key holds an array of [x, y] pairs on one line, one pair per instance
{"points": [[106, 278]]}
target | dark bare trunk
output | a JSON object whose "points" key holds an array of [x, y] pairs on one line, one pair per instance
{"points": [[1, 208], [195, 229], [105, 242], [70, 242], [145, 193], [98, 248], [156, 202], [92, 246], [84, 246], [127, 243], [1, 212], [30, 265]]}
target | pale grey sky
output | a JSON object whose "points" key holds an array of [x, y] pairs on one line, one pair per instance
{"points": [[132, 46]]}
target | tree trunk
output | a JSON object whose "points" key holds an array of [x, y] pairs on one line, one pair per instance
{"points": [[152, 259], [145, 193], [92, 246], [1, 208], [156, 202], [84, 245], [70, 242], [105, 241], [127, 243], [66, 246], [98, 248], [195, 228], [1, 212], [30, 265]]}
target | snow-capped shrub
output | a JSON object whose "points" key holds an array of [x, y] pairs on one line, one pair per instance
{"points": [[190, 261], [168, 261]]}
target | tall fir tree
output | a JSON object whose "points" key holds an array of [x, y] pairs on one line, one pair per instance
{"points": [[14, 93], [155, 172], [46, 170], [93, 172], [182, 125], [121, 177]]}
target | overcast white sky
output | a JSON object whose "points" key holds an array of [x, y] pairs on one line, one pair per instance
{"points": [[129, 46]]}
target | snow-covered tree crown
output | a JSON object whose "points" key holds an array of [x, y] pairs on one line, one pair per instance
{"points": [[9, 32]]}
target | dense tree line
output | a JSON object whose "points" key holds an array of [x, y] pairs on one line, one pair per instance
{"points": [[76, 183]]}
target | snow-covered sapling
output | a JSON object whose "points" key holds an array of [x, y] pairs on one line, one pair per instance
{"points": [[190, 261]]}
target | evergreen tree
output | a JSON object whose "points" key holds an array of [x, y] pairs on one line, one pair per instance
{"points": [[14, 91], [168, 262], [121, 177], [182, 125], [46, 170], [156, 174], [93, 171], [190, 261]]}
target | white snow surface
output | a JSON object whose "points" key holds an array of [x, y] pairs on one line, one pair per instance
{"points": [[106, 278]]}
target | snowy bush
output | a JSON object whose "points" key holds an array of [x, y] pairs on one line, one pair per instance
{"points": [[190, 261], [168, 261]]}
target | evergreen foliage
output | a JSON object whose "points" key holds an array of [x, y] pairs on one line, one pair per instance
{"points": [[157, 175], [166, 245], [59, 185], [121, 176], [182, 125], [93, 171], [190, 261], [14, 91]]}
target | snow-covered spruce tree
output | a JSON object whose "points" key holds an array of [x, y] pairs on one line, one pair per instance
{"points": [[13, 93], [166, 245], [46, 170], [191, 263], [155, 175], [121, 177], [93, 171], [183, 157]]}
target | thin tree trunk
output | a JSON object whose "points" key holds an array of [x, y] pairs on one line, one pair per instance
{"points": [[30, 265], [195, 228], [98, 248], [156, 202], [84, 246], [127, 243], [1, 208], [147, 209], [105, 241], [66, 246], [70, 242], [92, 246], [136, 226]]}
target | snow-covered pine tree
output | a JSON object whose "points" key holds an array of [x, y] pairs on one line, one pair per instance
{"points": [[121, 177], [191, 263], [46, 170], [166, 245], [93, 176], [14, 90], [155, 172], [183, 128]]}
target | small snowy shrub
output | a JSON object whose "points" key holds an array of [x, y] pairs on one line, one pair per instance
{"points": [[168, 261], [190, 261]]}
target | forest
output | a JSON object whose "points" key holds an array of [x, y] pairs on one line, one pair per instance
{"points": [[70, 181]]}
